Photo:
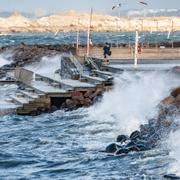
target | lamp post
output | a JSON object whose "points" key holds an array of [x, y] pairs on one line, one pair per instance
{"points": [[119, 12], [172, 30], [88, 33], [77, 38], [136, 48]]}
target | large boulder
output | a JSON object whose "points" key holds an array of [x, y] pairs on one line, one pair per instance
{"points": [[112, 148], [88, 93], [177, 99], [169, 100], [71, 104], [176, 70], [76, 95], [175, 92], [87, 102], [122, 151], [171, 176], [135, 135], [122, 138]]}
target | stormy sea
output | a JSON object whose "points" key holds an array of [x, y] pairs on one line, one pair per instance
{"points": [[71, 145]]}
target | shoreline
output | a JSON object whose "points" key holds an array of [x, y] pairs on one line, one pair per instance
{"points": [[68, 22]]}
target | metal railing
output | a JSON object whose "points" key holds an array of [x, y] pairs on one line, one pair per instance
{"points": [[92, 63]]}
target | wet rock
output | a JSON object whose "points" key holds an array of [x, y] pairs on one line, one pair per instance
{"points": [[57, 71], [88, 93], [122, 151], [87, 102], [21, 87], [135, 135], [171, 176], [24, 54], [144, 129], [141, 141], [68, 102], [72, 104], [9, 79], [168, 101], [138, 145], [175, 92], [75, 104], [44, 109], [152, 122], [130, 144], [133, 148], [172, 110], [97, 98], [95, 94], [54, 108], [38, 112], [63, 106], [166, 123], [77, 96], [176, 69], [177, 100], [122, 138], [34, 113], [112, 148], [142, 147]]}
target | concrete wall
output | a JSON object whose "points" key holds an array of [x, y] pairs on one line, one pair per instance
{"points": [[23, 75], [128, 53]]}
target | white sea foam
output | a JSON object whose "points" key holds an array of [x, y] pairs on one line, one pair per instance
{"points": [[174, 146], [4, 60], [47, 65], [5, 91], [133, 100]]}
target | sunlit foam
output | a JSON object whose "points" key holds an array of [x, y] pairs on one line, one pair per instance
{"points": [[46, 66], [4, 60], [133, 100]]}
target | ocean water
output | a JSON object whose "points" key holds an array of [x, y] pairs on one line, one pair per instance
{"points": [[97, 38], [69, 145]]}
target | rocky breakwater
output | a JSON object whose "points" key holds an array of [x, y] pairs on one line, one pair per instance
{"points": [[24, 54], [149, 135], [80, 99]]}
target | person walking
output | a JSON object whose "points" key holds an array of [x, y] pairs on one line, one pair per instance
{"points": [[106, 52]]}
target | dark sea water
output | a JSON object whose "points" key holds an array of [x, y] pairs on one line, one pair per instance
{"points": [[97, 38], [69, 145]]}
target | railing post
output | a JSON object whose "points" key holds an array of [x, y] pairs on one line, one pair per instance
{"points": [[136, 48]]}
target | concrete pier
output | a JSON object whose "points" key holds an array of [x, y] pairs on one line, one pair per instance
{"points": [[120, 65], [126, 53], [70, 85], [40, 92]]}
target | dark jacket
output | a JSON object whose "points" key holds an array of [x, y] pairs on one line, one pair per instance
{"points": [[106, 50]]}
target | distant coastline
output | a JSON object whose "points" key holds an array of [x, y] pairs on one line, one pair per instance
{"points": [[75, 21]]}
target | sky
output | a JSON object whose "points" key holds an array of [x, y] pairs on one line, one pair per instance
{"points": [[82, 5]]}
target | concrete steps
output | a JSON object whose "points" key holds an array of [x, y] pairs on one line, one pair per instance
{"points": [[104, 74], [30, 95], [32, 107], [28, 101], [19, 100], [52, 82], [93, 79]]}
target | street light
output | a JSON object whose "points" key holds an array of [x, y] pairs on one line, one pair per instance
{"points": [[117, 7]]}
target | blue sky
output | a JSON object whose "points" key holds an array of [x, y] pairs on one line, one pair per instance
{"points": [[84, 5]]}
